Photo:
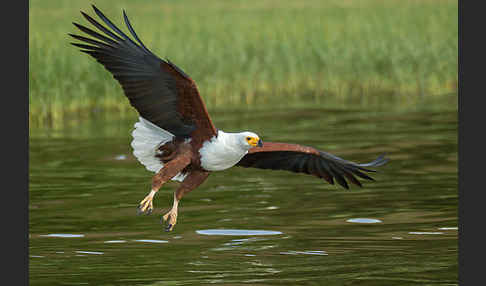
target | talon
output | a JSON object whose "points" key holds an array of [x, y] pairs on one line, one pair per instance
{"points": [[146, 205], [171, 219], [140, 209], [169, 227]]}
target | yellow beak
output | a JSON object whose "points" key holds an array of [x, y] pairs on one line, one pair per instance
{"points": [[255, 142]]}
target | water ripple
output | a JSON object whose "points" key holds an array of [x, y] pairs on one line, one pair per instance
{"points": [[62, 235], [237, 232], [307, 252], [425, 232], [152, 240], [90, 252], [364, 220], [115, 241]]}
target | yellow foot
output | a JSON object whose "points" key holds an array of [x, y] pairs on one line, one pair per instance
{"points": [[171, 219], [146, 206]]}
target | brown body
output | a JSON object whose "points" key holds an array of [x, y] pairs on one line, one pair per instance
{"points": [[178, 156]]}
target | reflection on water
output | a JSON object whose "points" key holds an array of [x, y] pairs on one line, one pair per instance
{"points": [[237, 232], [425, 232], [115, 241], [151, 240], [248, 226], [62, 235], [89, 252], [364, 220], [120, 157], [309, 252], [448, 228]]}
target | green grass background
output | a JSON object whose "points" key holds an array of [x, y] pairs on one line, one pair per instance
{"points": [[253, 53]]}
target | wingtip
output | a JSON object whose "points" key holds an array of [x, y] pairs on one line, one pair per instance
{"points": [[81, 46], [379, 161], [86, 16], [98, 11], [344, 184], [77, 25], [357, 183]]}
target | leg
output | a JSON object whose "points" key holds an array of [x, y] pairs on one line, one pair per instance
{"points": [[192, 181], [170, 169]]}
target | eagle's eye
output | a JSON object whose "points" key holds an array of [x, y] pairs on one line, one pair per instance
{"points": [[248, 138]]}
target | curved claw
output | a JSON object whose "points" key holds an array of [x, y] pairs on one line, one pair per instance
{"points": [[146, 205], [146, 209], [169, 227], [171, 219]]}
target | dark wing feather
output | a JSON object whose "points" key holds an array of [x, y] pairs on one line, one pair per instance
{"points": [[308, 160], [160, 91]]}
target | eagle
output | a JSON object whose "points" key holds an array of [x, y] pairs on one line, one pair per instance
{"points": [[175, 137]]}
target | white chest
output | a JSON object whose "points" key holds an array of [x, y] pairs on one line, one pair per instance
{"points": [[220, 153]]}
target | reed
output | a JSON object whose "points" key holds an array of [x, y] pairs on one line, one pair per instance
{"points": [[252, 52]]}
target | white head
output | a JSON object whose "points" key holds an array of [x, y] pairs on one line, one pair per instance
{"points": [[248, 140]]}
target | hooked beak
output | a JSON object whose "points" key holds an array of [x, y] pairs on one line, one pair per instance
{"points": [[260, 143]]}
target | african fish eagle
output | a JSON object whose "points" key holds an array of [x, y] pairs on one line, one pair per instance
{"points": [[175, 137]]}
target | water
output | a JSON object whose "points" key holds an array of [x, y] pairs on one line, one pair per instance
{"points": [[237, 232], [286, 228], [364, 220]]}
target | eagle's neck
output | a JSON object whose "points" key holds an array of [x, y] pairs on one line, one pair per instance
{"points": [[221, 152]]}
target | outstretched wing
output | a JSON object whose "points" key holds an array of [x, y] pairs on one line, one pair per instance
{"points": [[304, 159], [160, 91]]}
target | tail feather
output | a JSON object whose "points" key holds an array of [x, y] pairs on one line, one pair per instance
{"points": [[147, 137]]}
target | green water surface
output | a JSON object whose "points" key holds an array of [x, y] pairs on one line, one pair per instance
{"points": [[84, 181]]}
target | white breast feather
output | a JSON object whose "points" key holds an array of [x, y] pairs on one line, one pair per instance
{"points": [[221, 152], [147, 137]]}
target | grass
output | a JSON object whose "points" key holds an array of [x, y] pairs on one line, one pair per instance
{"points": [[248, 53]]}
